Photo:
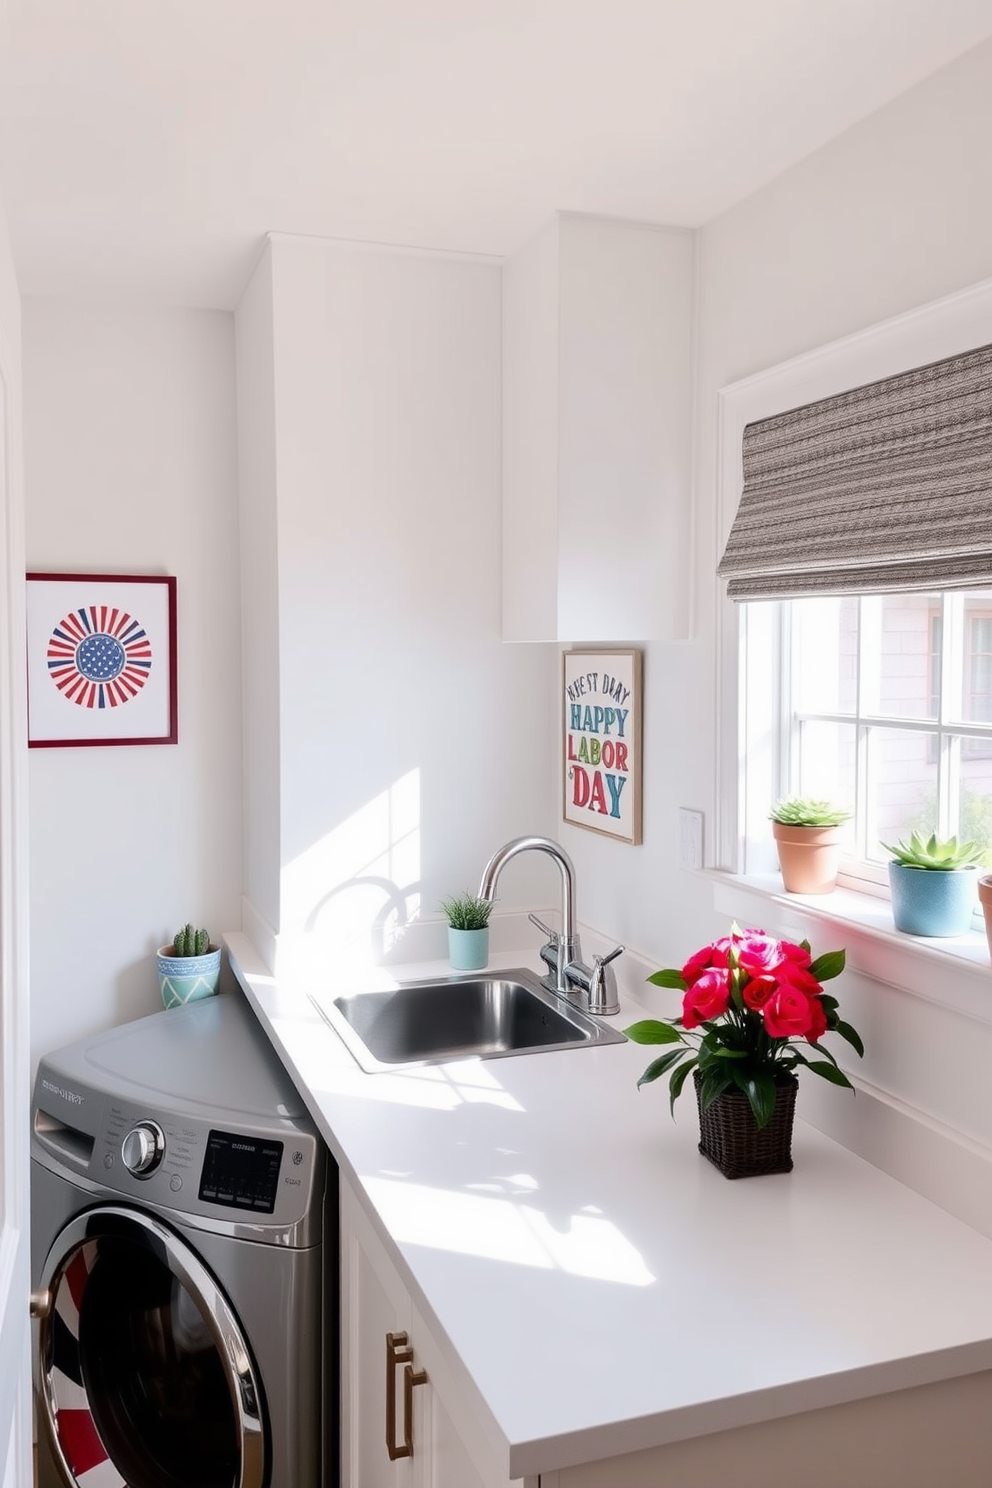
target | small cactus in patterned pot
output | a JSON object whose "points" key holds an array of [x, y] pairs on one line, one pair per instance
{"points": [[190, 942], [188, 968]]}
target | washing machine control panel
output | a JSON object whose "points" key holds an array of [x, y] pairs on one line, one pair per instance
{"points": [[192, 1167], [241, 1172], [143, 1148]]}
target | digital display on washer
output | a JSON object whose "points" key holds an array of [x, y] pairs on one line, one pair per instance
{"points": [[241, 1172]]}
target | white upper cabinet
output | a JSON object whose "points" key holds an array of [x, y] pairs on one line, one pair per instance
{"points": [[597, 415]]}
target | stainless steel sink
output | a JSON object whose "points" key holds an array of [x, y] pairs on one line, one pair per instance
{"points": [[482, 1015]]}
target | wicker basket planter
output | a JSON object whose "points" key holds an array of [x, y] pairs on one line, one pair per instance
{"points": [[730, 1138]]}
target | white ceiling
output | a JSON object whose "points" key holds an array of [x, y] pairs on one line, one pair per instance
{"points": [[147, 145]]}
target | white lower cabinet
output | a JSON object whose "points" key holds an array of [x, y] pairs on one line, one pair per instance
{"points": [[403, 1421], [928, 1436]]}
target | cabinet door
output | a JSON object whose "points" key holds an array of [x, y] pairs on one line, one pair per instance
{"points": [[446, 1462], [373, 1305], [455, 1453]]}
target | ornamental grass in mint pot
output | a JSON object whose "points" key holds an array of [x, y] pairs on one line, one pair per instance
{"points": [[468, 930], [807, 834]]}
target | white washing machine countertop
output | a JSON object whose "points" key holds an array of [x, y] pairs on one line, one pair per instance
{"points": [[602, 1288]]}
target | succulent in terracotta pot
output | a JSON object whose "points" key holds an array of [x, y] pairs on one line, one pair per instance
{"points": [[807, 834], [804, 811]]}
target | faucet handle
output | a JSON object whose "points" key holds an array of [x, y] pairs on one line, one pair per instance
{"points": [[546, 929], [603, 997]]}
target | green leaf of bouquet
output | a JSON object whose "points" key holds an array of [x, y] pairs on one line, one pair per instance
{"points": [[829, 965], [713, 1084], [658, 1067], [652, 1031], [668, 977], [722, 1052], [829, 1072], [678, 1080], [851, 1034], [760, 1092]]}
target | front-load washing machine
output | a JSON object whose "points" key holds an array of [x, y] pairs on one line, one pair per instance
{"points": [[184, 1255]]}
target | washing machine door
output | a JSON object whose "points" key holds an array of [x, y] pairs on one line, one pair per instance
{"points": [[146, 1379]]}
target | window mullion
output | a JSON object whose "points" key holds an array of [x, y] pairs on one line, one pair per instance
{"points": [[950, 708], [863, 827], [789, 725]]}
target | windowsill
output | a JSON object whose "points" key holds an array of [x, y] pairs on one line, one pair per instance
{"points": [[953, 972]]}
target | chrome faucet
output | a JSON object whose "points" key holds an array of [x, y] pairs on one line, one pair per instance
{"points": [[596, 986]]}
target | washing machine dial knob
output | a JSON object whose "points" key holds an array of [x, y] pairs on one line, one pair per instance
{"points": [[143, 1148]]}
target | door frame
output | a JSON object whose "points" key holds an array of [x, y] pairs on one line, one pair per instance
{"points": [[15, 1375]]}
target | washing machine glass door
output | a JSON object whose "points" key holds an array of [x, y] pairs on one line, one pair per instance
{"points": [[146, 1377]]}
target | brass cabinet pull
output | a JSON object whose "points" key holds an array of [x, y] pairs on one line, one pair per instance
{"points": [[398, 1351]]}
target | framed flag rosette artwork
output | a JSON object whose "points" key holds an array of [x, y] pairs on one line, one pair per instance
{"points": [[101, 659]]}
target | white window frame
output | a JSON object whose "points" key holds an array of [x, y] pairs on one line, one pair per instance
{"points": [[773, 720], [941, 329]]}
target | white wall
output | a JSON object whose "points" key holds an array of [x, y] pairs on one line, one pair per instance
{"points": [[130, 466], [894, 213], [259, 600], [889, 217], [413, 741]]}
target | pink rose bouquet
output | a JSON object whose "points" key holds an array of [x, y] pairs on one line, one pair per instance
{"points": [[753, 1008]]}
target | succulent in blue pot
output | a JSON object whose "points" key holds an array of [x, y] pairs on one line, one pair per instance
{"points": [[934, 883]]}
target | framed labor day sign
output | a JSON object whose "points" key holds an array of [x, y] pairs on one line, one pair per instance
{"points": [[601, 742]]}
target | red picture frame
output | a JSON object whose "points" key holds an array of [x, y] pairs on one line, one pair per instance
{"points": [[101, 660]]}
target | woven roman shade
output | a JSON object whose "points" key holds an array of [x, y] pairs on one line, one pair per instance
{"points": [[887, 486]]}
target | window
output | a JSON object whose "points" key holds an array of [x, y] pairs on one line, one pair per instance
{"points": [[880, 702], [754, 735]]}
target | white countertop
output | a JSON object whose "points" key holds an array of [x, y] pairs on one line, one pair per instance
{"points": [[598, 1284]]}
